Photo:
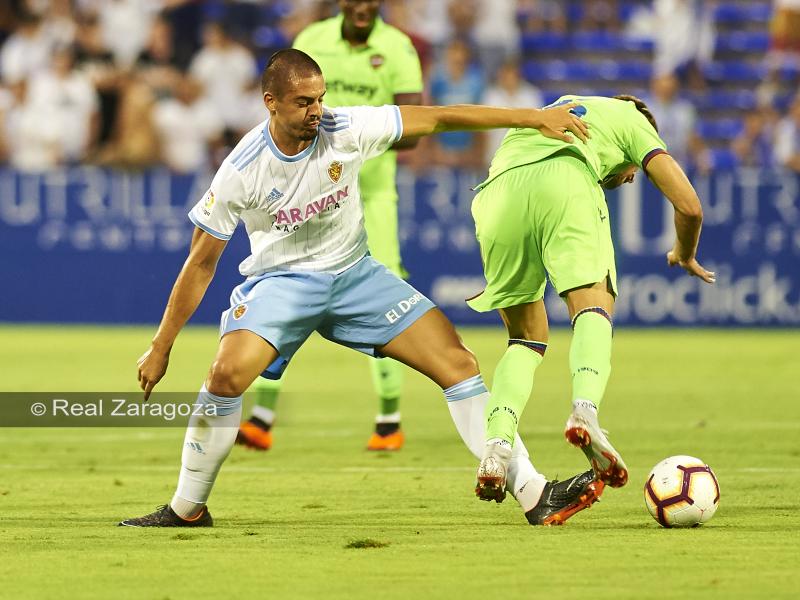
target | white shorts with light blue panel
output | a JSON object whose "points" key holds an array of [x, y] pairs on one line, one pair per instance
{"points": [[364, 307]]}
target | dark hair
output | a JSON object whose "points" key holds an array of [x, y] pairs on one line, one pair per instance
{"points": [[641, 107], [283, 65]]}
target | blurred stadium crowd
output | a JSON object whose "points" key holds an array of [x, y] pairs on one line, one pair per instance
{"points": [[137, 83]]}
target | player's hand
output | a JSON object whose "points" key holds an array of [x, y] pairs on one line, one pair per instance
{"points": [[557, 121], [152, 366], [691, 266]]}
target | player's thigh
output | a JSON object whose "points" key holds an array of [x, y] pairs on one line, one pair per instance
{"points": [[526, 321], [242, 356], [380, 221], [572, 214], [379, 314], [432, 347], [509, 242], [596, 295], [274, 314]]}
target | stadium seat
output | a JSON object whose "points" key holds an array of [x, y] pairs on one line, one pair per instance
{"points": [[720, 129], [723, 159], [595, 41], [734, 71], [545, 41], [740, 13], [743, 41], [716, 100]]}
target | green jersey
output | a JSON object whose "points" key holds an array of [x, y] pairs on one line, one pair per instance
{"points": [[369, 75], [620, 135]]}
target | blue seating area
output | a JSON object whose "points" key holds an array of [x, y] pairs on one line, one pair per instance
{"points": [[606, 62]]}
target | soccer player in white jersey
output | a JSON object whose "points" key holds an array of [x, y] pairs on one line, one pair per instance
{"points": [[293, 180]]}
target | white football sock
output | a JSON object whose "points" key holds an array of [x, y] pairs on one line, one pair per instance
{"points": [[467, 404], [207, 443]]}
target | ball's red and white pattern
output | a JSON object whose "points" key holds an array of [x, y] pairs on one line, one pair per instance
{"points": [[681, 491]]}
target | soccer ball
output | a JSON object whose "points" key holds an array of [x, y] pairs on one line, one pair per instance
{"points": [[681, 491]]}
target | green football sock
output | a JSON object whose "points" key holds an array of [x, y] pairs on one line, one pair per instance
{"points": [[266, 392], [590, 355], [511, 388], [387, 377]]}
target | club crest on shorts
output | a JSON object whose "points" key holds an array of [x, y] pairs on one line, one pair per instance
{"points": [[335, 171], [239, 311]]}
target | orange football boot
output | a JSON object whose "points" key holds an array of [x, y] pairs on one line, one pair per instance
{"points": [[253, 436], [391, 442]]}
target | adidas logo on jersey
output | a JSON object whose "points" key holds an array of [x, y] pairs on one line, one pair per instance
{"points": [[274, 195]]}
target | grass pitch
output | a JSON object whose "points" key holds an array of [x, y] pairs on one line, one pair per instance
{"points": [[319, 517]]}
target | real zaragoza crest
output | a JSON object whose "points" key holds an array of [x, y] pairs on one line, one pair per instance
{"points": [[335, 171], [239, 311]]}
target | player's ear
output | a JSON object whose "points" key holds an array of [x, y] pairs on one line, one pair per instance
{"points": [[269, 102]]}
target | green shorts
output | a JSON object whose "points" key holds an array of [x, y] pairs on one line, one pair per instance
{"points": [[380, 221], [547, 218]]}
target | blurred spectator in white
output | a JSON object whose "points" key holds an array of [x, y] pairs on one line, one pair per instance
{"points": [[125, 26], [496, 33], [754, 147], [187, 125], [600, 15], [457, 81], [226, 70], [543, 15], [430, 20], [684, 36], [509, 89], [56, 122], [27, 50], [677, 121], [787, 138]]}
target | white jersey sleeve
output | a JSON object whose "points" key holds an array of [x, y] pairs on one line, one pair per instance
{"points": [[219, 210], [375, 129]]}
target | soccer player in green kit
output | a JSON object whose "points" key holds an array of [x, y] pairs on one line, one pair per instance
{"points": [[542, 213], [365, 62]]}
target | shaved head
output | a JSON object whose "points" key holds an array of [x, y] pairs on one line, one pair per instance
{"points": [[287, 67]]}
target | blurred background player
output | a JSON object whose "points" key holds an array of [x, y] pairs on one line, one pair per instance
{"points": [[542, 214], [365, 62]]}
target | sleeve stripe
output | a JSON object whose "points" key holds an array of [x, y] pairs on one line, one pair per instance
{"points": [[208, 230], [651, 155], [398, 122]]}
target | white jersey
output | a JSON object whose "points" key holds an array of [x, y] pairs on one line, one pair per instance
{"points": [[301, 212]]}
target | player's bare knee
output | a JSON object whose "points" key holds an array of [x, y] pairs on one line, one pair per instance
{"points": [[463, 363], [224, 380]]}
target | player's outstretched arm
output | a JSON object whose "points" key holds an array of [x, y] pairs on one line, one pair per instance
{"points": [[673, 183], [552, 122], [188, 291]]}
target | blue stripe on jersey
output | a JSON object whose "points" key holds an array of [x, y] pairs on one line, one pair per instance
{"points": [[245, 150], [246, 160], [207, 229], [284, 157], [466, 389], [398, 123], [334, 128], [335, 115]]}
